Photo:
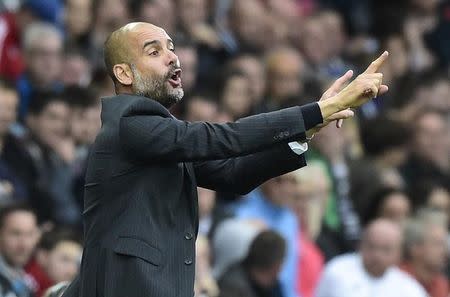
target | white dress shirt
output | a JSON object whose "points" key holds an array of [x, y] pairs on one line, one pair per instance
{"points": [[345, 276], [298, 148]]}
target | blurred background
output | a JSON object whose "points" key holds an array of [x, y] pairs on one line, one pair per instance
{"points": [[367, 217]]}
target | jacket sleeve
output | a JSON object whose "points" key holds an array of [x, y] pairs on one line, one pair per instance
{"points": [[148, 132], [242, 174]]}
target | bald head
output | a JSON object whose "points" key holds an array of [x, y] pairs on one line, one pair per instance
{"points": [[381, 246], [383, 230], [140, 58], [118, 47]]}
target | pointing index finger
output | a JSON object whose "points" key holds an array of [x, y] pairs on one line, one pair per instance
{"points": [[375, 65]]}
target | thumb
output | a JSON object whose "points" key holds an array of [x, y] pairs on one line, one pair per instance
{"points": [[343, 114]]}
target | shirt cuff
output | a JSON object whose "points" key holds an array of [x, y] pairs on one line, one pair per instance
{"points": [[297, 147], [312, 116]]}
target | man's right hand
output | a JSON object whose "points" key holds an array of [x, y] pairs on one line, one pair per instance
{"points": [[365, 87]]}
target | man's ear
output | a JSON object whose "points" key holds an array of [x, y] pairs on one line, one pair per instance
{"points": [[123, 74]]}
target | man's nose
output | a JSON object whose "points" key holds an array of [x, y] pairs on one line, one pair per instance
{"points": [[173, 59]]}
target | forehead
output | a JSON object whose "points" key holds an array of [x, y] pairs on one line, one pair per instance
{"points": [[143, 33]]}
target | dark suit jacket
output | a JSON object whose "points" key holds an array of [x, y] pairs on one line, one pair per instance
{"points": [[140, 209]]}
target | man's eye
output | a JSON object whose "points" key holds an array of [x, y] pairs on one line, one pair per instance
{"points": [[154, 53]]}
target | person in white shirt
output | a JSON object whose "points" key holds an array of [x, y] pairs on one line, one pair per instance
{"points": [[372, 272]]}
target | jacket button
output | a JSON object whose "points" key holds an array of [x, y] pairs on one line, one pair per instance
{"points": [[188, 236], [286, 133], [188, 261]]}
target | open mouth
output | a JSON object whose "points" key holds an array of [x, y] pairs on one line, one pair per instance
{"points": [[175, 78]]}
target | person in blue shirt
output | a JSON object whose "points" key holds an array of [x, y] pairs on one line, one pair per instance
{"points": [[268, 204]]}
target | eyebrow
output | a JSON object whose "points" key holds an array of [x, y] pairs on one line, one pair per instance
{"points": [[157, 42], [152, 42]]}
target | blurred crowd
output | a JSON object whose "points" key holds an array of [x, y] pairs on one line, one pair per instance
{"points": [[369, 215]]}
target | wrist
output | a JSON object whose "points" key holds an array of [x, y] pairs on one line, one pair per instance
{"points": [[330, 106]]}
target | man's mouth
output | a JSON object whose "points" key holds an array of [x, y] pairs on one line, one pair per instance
{"points": [[175, 78]]}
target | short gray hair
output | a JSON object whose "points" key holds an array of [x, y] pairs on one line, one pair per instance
{"points": [[416, 228], [38, 30]]}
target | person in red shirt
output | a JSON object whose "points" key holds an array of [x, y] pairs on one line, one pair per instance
{"points": [[57, 259], [12, 25], [426, 252]]}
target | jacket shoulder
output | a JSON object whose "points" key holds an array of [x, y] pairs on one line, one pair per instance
{"points": [[125, 105]]}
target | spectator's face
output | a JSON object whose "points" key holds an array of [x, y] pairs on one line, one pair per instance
{"points": [[51, 125], [381, 248], [78, 16], [8, 108], [206, 201], [111, 14], [62, 263], [256, 75], [236, 97], [76, 71], [249, 23], [18, 238], [396, 207], [315, 42], [44, 60], [439, 199], [200, 109], [281, 189], [431, 139], [86, 124], [192, 12], [160, 13], [155, 65], [334, 29], [432, 252], [188, 59], [438, 95], [284, 77]]}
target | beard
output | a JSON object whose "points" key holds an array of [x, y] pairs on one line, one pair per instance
{"points": [[156, 87]]}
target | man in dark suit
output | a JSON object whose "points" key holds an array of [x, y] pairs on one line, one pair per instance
{"points": [[140, 208]]}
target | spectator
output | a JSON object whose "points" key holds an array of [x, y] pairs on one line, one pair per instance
{"points": [[386, 145], [253, 68], [52, 150], [236, 96], [43, 45], [309, 205], [231, 241], [426, 252], [12, 27], [19, 234], [158, 12], [430, 148], [78, 21], [284, 81], [15, 169], [372, 271], [388, 203], [109, 15], [269, 204], [193, 21], [76, 69], [258, 274], [57, 259], [247, 23], [341, 219]]}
